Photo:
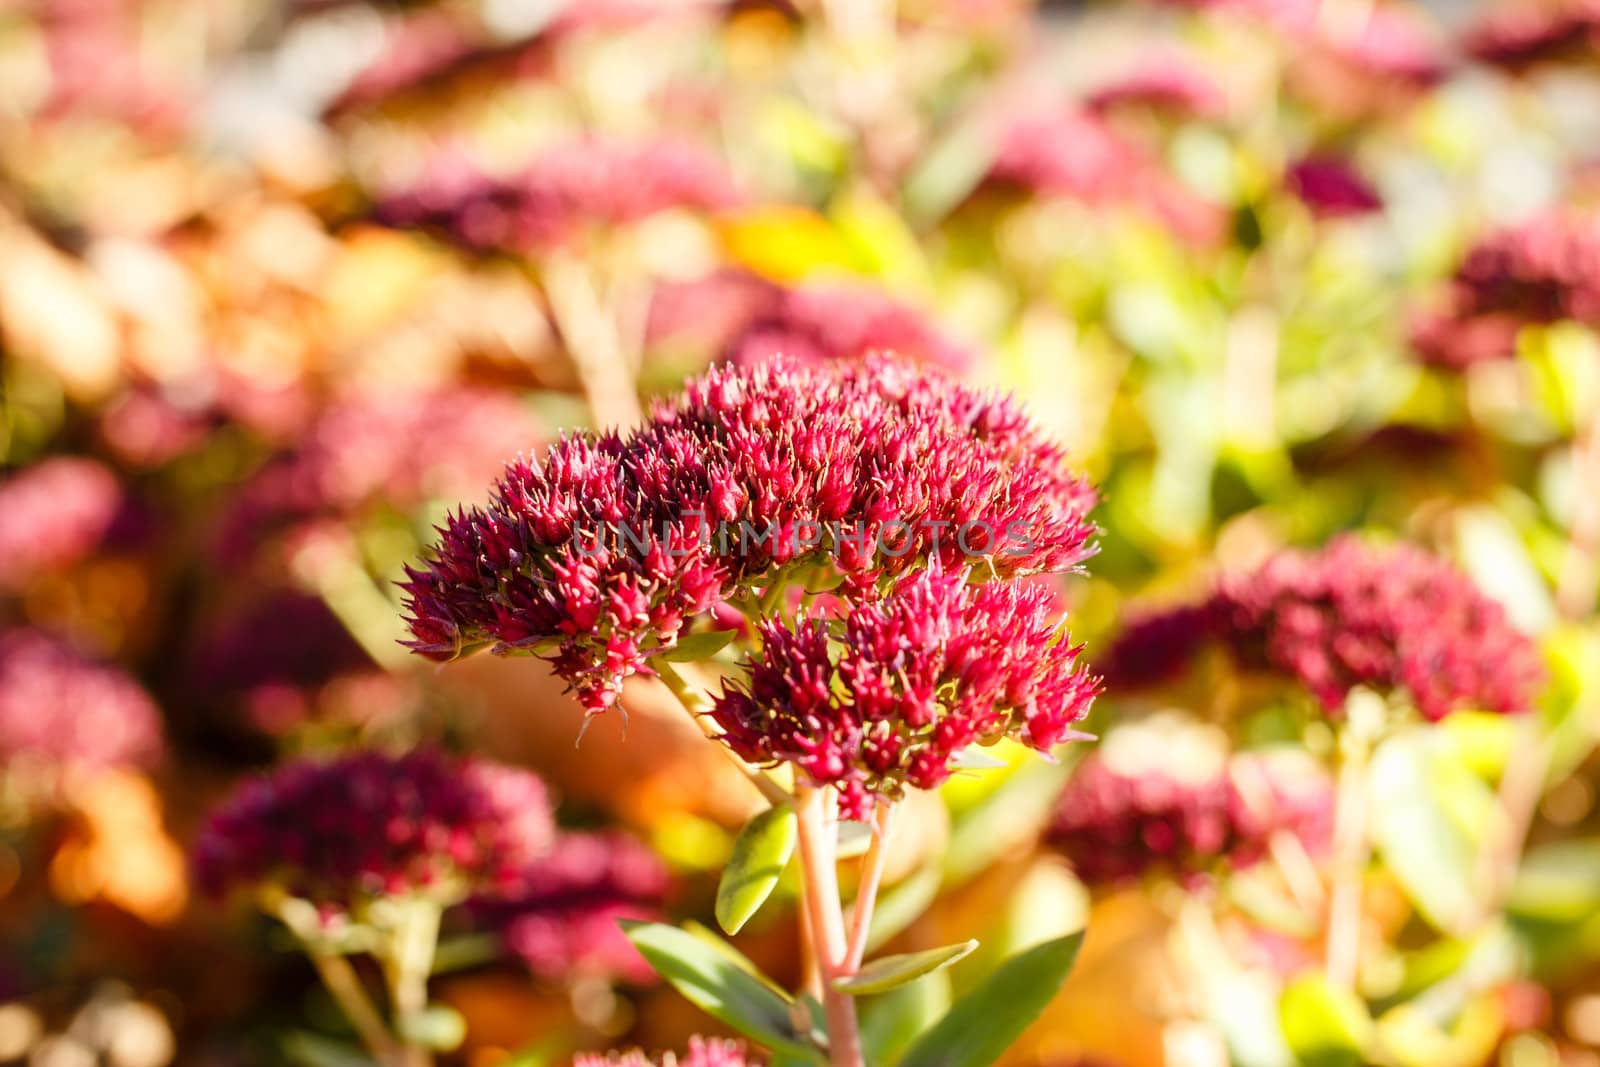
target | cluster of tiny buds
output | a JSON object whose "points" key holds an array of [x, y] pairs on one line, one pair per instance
{"points": [[607, 551], [889, 692]]}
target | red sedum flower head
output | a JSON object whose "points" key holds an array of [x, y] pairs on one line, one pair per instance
{"points": [[1542, 271], [889, 694], [606, 550], [1390, 618], [345, 832], [1350, 614], [567, 190], [61, 711], [1162, 798], [703, 1052]]}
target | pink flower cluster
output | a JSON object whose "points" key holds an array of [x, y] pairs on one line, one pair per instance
{"points": [[1076, 155], [57, 512], [703, 1052], [401, 450], [881, 453], [567, 190], [1116, 826], [60, 710], [889, 694], [1541, 271], [1348, 615], [344, 832], [559, 916]]}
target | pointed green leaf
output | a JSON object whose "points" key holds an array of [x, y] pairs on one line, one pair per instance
{"points": [[1324, 1025], [989, 1019], [710, 979], [891, 972], [760, 854], [696, 648], [890, 1023]]}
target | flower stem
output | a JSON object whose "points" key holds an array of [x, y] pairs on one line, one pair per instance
{"points": [[1364, 715], [593, 338], [408, 965], [695, 703], [342, 983], [872, 865], [821, 894]]}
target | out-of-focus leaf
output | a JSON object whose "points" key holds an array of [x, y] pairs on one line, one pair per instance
{"points": [[1010, 817], [1325, 1026], [787, 244], [948, 173], [710, 980], [1421, 807], [902, 905], [1493, 553], [317, 1051], [1558, 882], [760, 853], [879, 236], [890, 1023], [1045, 901], [891, 972], [700, 646], [548, 1050], [438, 1026], [989, 1019]]}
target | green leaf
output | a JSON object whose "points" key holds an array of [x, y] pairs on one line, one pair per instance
{"points": [[890, 1023], [313, 1050], [891, 972], [1425, 827], [696, 648], [1558, 882], [438, 1026], [710, 979], [760, 854], [1006, 819], [989, 1019], [1324, 1025]]}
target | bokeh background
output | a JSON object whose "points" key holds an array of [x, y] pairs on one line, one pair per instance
{"points": [[283, 280]]}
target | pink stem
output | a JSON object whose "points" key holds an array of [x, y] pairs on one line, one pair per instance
{"points": [[872, 865], [821, 893]]}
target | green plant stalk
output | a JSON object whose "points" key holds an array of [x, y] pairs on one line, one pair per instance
{"points": [[407, 965], [343, 984], [818, 869], [1364, 716]]}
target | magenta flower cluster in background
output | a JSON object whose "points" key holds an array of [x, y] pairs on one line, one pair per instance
{"points": [[61, 710], [1350, 614], [344, 832], [1542, 271], [567, 190], [1117, 825], [703, 1052]]}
